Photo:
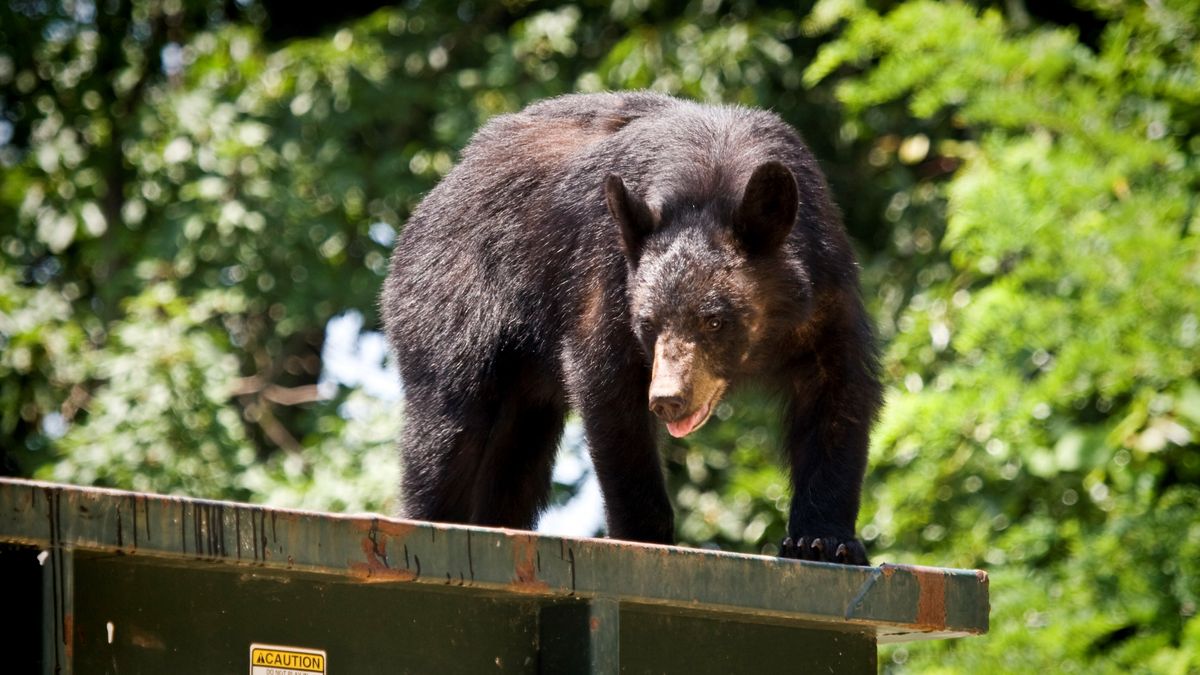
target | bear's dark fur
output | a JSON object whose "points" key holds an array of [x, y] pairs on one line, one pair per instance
{"points": [[623, 254]]}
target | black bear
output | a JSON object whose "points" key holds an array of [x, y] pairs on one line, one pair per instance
{"points": [[630, 256]]}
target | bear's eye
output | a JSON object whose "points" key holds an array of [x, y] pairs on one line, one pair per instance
{"points": [[713, 324], [646, 327]]}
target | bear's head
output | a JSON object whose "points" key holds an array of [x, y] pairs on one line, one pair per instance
{"points": [[705, 278]]}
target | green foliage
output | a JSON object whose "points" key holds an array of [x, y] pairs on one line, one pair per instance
{"points": [[161, 423], [730, 489], [186, 204], [350, 464], [1046, 420], [39, 353]]}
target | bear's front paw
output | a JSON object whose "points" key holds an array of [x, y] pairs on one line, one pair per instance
{"points": [[847, 551]]}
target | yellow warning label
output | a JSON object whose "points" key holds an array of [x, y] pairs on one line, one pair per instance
{"points": [[277, 660]]}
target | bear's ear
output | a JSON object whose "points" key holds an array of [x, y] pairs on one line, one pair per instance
{"points": [[768, 209], [631, 213]]}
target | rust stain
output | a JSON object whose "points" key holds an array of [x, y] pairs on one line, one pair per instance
{"points": [[392, 528], [524, 555], [931, 599], [594, 624], [69, 635], [374, 547], [887, 570], [525, 560], [375, 551]]}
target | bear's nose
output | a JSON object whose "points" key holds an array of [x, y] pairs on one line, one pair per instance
{"points": [[668, 408]]}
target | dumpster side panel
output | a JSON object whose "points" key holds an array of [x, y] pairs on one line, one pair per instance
{"points": [[700, 644], [180, 620]]}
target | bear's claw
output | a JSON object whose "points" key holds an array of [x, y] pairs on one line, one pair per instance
{"points": [[824, 549]]}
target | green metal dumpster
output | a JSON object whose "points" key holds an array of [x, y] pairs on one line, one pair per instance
{"points": [[104, 581]]}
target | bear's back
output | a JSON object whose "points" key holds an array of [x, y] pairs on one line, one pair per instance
{"points": [[533, 179], [546, 135]]}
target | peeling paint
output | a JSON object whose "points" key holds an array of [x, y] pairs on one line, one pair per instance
{"points": [[856, 602], [376, 567]]}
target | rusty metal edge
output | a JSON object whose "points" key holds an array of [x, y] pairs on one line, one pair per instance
{"points": [[896, 602]]}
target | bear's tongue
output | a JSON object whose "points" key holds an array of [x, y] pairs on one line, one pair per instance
{"points": [[687, 425]]}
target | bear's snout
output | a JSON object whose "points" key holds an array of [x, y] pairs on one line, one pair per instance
{"points": [[670, 391], [667, 408], [683, 392]]}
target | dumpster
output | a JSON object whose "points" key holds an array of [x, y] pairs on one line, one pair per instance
{"points": [[106, 581]]}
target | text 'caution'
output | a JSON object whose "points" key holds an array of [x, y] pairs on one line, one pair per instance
{"points": [[277, 660]]}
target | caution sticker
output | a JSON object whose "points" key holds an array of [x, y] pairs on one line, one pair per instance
{"points": [[277, 660]]}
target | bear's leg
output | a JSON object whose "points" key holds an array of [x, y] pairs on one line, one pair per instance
{"points": [[620, 434], [834, 401], [484, 456], [437, 456], [512, 481], [828, 455]]}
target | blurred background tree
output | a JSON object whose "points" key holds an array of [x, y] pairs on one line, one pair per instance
{"points": [[197, 200]]}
